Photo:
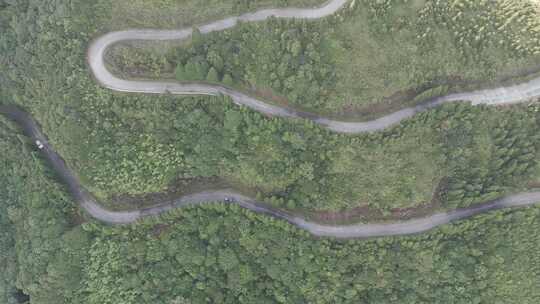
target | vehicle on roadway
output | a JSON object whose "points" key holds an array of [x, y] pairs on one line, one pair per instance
{"points": [[39, 144]]}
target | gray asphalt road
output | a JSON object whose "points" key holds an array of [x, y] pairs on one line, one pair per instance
{"points": [[91, 205], [507, 95], [96, 51]]}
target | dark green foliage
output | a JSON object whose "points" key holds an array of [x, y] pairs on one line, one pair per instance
{"points": [[430, 94], [227, 80], [279, 54], [8, 265], [137, 144], [196, 69], [483, 167], [122, 143], [41, 254], [222, 254]]}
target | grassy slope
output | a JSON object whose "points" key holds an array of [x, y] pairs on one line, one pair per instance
{"points": [[181, 13], [382, 53], [386, 49], [138, 144]]}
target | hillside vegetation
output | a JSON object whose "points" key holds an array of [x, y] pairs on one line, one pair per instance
{"points": [[181, 13], [41, 243], [365, 61], [224, 254], [221, 254], [132, 144]]}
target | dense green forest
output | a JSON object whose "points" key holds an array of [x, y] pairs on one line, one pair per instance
{"points": [[362, 62], [224, 254], [231, 256], [129, 144], [476, 153], [122, 144], [40, 248]]}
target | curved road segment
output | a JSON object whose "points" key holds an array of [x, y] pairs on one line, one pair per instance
{"points": [[90, 204], [506, 95]]}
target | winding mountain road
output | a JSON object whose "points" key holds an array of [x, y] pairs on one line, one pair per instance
{"points": [[507, 95], [89, 203]]}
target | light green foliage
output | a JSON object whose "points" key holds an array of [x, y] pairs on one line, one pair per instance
{"points": [[374, 57], [227, 80], [486, 163], [212, 75], [404, 170], [181, 13], [121, 143], [384, 49], [134, 60], [138, 144], [482, 24], [400, 167], [224, 254]]}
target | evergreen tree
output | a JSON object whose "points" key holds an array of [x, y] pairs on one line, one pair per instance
{"points": [[180, 72], [227, 80], [212, 75]]}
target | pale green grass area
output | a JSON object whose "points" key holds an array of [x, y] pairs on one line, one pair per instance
{"points": [[180, 13], [374, 68], [369, 68], [400, 173], [536, 179]]}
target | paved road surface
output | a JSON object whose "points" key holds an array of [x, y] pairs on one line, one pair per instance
{"points": [[90, 204], [514, 94], [506, 95]]}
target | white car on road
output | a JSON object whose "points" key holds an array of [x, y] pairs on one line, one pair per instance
{"points": [[39, 144]]}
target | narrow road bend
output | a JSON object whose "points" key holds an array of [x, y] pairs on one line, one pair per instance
{"points": [[505, 95], [89, 203]]}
